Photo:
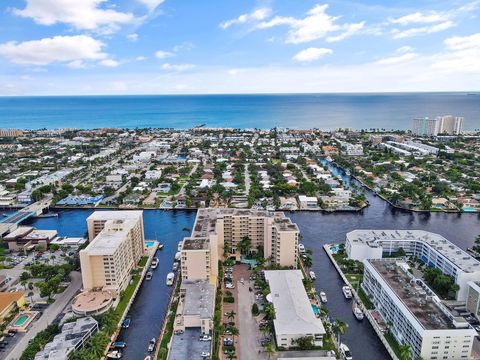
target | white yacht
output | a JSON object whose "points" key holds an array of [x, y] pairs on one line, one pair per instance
{"points": [[149, 276], [151, 345], [175, 266], [170, 278], [178, 255], [154, 263], [323, 296], [301, 248], [358, 313], [179, 247], [347, 292], [347, 355], [312, 275], [116, 354]]}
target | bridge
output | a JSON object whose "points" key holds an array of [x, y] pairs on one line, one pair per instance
{"points": [[11, 222]]}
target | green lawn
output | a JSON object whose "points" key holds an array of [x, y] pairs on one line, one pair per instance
{"points": [[127, 294], [143, 261], [393, 343], [354, 279], [366, 301]]}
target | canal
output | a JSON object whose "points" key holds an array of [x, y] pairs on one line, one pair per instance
{"points": [[317, 229]]}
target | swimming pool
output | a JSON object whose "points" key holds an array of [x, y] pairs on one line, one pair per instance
{"points": [[315, 309], [21, 320], [149, 243]]}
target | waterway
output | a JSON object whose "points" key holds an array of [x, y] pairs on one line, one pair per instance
{"points": [[317, 229]]}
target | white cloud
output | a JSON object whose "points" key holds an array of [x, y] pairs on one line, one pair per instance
{"points": [[141, 58], [256, 15], [177, 67], [119, 86], [55, 49], [311, 54], [151, 4], [424, 30], [316, 25], [462, 55], [350, 30], [161, 54], [77, 64], [109, 63], [80, 14], [420, 18], [398, 59], [132, 37]]}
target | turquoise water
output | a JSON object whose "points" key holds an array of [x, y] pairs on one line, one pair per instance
{"points": [[315, 309], [21, 320], [149, 243], [324, 111]]}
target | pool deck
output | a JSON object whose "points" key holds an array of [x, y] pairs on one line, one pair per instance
{"points": [[23, 326]]}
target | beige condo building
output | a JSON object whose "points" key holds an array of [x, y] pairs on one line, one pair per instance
{"points": [[116, 246], [218, 229]]}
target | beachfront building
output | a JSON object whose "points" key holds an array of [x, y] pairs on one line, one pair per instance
{"points": [[116, 249], [272, 232], [448, 124], [196, 306], [414, 314], [433, 249], [473, 298], [294, 316]]}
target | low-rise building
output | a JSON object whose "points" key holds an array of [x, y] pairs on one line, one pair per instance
{"points": [[308, 202], [9, 301], [27, 237], [294, 316], [416, 316], [196, 306]]}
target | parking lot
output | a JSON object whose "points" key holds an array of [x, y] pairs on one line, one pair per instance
{"points": [[188, 346]]}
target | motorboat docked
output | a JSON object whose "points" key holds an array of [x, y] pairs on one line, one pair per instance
{"points": [[126, 323], [179, 247], [301, 248], [323, 296], [175, 266], [116, 354], [149, 276], [347, 292], [151, 345], [178, 255], [312, 275], [348, 173], [148, 357], [347, 355], [329, 159], [154, 263], [170, 278], [358, 313], [160, 246]]}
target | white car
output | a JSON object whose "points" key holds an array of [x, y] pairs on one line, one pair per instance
{"points": [[205, 338], [205, 354], [230, 286]]}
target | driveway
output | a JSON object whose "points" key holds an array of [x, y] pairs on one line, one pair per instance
{"points": [[250, 347], [49, 315]]}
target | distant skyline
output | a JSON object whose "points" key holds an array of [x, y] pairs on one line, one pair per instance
{"points": [[99, 47]]}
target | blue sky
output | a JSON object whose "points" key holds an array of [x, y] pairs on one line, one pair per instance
{"points": [[55, 47]]}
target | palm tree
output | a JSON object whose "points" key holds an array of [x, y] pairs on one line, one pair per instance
{"points": [[339, 328], [244, 244], [234, 332], [405, 352], [231, 315], [231, 356]]}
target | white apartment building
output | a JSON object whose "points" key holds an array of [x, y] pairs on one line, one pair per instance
{"points": [[415, 147], [116, 246], [447, 124], [350, 149], [294, 316], [433, 249], [308, 202], [414, 314], [473, 298], [451, 125], [199, 258]]}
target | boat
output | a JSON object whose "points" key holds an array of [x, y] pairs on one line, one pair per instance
{"points": [[160, 246], [148, 357], [175, 266], [348, 173], [347, 355], [312, 275], [149, 276], [116, 354], [329, 159], [154, 263], [178, 255], [126, 323], [358, 313], [179, 247], [151, 345], [347, 292], [170, 278], [323, 296], [301, 248]]}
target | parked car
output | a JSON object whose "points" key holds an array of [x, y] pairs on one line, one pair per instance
{"points": [[205, 338], [178, 332]]}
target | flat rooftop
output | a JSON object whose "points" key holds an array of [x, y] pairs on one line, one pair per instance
{"points": [[293, 310], [199, 298], [374, 238], [414, 295], [116, 214], [195, 244]]}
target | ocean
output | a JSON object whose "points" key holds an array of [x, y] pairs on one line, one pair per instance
{"points": [[323, 111]]}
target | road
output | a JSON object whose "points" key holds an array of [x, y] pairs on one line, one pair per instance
{"points": [[248, 328], [48, 316], [247, 180]]}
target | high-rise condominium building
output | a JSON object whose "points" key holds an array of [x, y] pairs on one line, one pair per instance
{"points": [[116, 246], [414, 314], [219, 230], [448, 124]]}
